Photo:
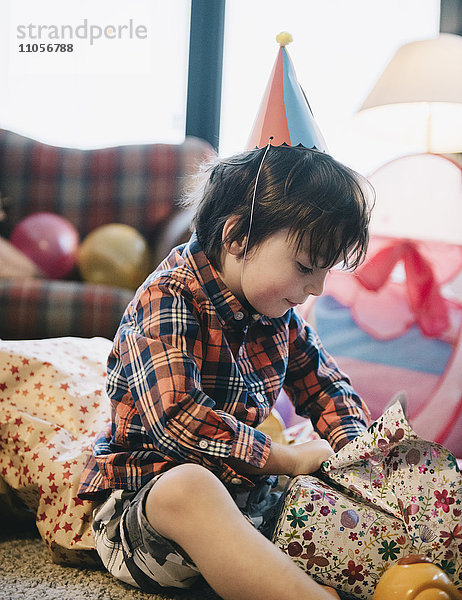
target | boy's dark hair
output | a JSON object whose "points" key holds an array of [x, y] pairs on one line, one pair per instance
{"points": [[324, 204]]}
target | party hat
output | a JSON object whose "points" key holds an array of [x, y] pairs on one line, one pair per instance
{"points": [[284, 113]]}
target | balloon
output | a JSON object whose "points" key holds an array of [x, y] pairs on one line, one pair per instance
{"points": [[49, 240], [114, 254], [15, 264], [286, 410], [274, 426]]}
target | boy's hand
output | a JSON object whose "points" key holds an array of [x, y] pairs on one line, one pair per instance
{"points": [[294, 459], [307, 457]]}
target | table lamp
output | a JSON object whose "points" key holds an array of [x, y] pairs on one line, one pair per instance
{"points": [[418, 98]]}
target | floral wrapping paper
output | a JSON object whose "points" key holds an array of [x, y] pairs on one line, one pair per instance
{"points": [[383, 496]]}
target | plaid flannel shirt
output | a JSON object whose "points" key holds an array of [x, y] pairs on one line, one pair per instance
{"points": [[193, 372]]}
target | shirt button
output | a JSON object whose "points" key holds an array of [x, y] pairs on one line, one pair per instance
{"points": [[236, 481], [239, 315], [203, 444], [260, 397]]}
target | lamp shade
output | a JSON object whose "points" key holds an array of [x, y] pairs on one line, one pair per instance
{"points": [[418, 97]]}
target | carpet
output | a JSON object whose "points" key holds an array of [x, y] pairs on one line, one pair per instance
{"points": [[28, 573]]}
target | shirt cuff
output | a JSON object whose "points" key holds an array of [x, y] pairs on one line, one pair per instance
{"points": [[250, 445], [241, 441]]}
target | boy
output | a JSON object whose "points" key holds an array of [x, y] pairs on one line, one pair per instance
{"points": [[199, 360]]}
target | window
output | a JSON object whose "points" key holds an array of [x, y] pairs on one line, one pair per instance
{"points": [[123, 82], [123, 88]]}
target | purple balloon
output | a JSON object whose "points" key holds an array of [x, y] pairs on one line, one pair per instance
{"points": [[287, 411], [49, 240]]}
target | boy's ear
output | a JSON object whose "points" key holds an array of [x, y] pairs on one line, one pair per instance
{"points": [[237, 246]]}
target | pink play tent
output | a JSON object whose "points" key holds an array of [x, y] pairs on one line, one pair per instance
{"points": [[396, 323]]}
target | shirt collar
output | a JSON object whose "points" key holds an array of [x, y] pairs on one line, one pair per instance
{"points": [[228, 307]]}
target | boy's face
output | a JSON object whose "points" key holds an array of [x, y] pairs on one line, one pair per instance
{"points": [[275, 277]]}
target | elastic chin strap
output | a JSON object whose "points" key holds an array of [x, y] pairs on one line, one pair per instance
{"points": [[252, 208]]}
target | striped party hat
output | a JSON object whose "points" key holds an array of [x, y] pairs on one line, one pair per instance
{"points": [[285, 114]]}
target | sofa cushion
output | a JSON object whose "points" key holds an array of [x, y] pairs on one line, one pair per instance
{"points": [[138, 185], [37, 308]]}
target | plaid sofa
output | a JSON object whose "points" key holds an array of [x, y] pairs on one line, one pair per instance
{"points": [[138, 185]]}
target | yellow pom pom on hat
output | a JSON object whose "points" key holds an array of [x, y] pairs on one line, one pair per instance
{"points": [[285, 114], [284, 38]]}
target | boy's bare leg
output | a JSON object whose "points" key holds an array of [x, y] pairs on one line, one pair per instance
{"points": [[190, 506]]}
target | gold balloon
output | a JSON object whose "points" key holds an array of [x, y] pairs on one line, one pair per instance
{"points": [[114, 254], [273, 426]]}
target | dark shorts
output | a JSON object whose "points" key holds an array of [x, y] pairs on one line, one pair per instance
{"points": [[132, 551]]}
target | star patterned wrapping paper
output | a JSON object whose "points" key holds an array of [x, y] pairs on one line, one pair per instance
{"points": [[383, 496], [52, 404]]}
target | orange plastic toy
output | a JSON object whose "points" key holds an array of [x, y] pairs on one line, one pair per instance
{"points": [[415, 577]]}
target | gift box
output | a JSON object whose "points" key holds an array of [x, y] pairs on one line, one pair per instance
{"points": [[52, 405], [383, 496]]}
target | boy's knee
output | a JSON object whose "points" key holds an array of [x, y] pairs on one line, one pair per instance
{"points": [[179, 493]]}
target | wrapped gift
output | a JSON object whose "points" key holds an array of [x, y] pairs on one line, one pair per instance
{"points": [[52, 405], [383, 496]]}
